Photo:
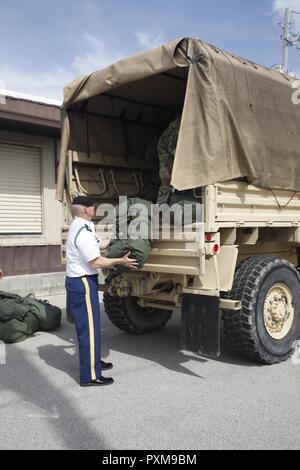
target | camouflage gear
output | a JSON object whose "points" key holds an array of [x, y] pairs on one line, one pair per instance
{"points": [[166, 152]]}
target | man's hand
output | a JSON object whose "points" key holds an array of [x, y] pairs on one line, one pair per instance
{"points": [[102, 262], [1, 274], [129, 262]]}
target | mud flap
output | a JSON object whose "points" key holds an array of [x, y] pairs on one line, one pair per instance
{"points": [[201, 324]]}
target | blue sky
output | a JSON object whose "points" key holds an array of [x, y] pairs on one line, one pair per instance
{"points": [[46, 43]]}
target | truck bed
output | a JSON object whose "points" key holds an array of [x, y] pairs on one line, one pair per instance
{"points": [[229, 205]]}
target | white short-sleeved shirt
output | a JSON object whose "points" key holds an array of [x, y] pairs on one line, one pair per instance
{"points": [[83, 245]]}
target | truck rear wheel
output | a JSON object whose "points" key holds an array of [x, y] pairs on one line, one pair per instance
{"points": [[127, 315], [268, 324]]}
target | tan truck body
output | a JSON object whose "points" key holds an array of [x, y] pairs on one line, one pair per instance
{"points": [[238, 149], [244, 221]]}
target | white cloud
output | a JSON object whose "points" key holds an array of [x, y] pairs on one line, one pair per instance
{"points": [[50, 83], [97, 56], [280, 5], [47, 84], [149, 40]]}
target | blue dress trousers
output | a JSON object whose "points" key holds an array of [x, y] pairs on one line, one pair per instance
{"points": [[83, 301]]}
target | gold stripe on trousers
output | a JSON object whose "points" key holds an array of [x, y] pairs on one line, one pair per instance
{"points": [[91, 327]]}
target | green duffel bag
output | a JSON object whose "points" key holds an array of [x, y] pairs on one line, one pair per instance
{"points": [[140, 250], [138, 212], [21, 317], [12, 308], [14, 331], [32, 323], [49, 316]]}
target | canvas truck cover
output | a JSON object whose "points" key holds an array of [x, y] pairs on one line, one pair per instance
{"points": [[238, 118]]}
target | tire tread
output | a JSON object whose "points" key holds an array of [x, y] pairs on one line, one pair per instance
{"points": [[119, 315], [239, 325]]}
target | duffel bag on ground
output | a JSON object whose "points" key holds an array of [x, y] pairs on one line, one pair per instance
{"points": [[21, 317], [49, 316], [14, 330]]}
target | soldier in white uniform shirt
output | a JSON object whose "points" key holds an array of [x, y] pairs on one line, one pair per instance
{"points": [[83, 262]]}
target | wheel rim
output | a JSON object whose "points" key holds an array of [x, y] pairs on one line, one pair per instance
{"points": [[279, 311]]}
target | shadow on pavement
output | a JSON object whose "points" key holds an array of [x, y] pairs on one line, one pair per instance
{"points": [[34, 398], [230, 356], [63, 357], [161, 347]]}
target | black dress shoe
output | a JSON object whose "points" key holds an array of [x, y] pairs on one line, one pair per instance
{"points": [[106, 365], [98, 382]]}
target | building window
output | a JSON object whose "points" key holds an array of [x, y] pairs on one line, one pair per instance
{"points": [[20, 189]]}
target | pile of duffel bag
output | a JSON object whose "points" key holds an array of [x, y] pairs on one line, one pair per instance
{"points": [[138, 213], [138, 219], [21, 317]]}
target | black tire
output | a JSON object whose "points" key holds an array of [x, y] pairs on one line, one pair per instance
{"points": [[245, 329], [127, 315]]}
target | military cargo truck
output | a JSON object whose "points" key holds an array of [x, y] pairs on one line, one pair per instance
{"points": [[238, 150]]}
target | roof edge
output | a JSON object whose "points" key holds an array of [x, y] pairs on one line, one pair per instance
{"points": [[27, 97]]}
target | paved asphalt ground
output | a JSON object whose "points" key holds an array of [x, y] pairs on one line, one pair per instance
{"points": [[162, 398]]}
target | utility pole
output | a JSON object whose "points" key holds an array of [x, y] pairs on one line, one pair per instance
{"points": [[286, 41], [289, 39]]}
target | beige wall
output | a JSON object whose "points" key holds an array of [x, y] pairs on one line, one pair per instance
{"points": [[52, 209]]}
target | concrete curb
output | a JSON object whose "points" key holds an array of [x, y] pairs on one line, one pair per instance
{"points": [[39, 284]]}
